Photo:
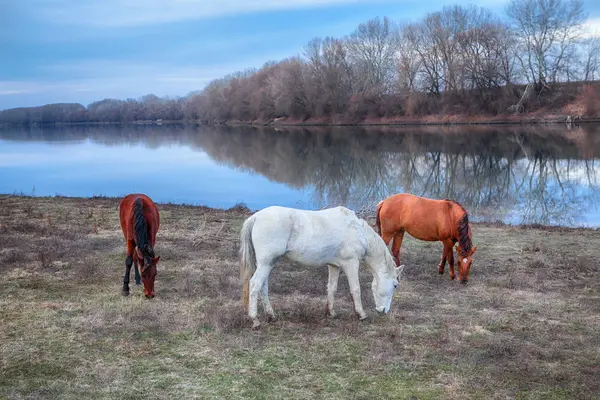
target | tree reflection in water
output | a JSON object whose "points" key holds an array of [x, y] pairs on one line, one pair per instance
{"points": [[511, 174], [515, 174]]}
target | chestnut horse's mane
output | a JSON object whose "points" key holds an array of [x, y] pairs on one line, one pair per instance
{"points": [[464, 232], [140, 229]]}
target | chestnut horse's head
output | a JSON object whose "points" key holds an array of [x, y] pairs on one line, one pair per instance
{"points": [[464, 248], [465, 259], [147, 262]]}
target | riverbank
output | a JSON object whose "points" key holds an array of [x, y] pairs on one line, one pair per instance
{"points": [[431, 120], [580, 110], [523, 327]]}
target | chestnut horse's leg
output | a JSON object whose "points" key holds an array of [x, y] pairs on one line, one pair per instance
{"points": [[449, 244], [396, 245], [128, 263], [138, 278], [442, 263]]}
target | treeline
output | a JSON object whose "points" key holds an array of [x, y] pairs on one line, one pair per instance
{"points": [[462, 60], [147, 108]]}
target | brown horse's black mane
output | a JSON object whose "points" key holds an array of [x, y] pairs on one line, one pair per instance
{"points": [[140, 228], [464, 237]]}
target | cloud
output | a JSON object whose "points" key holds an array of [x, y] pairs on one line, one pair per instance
{"points": [[591, 27], [117, 86], [128, 13]]}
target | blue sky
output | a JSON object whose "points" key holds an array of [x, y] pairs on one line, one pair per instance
{"points": [[87, 50]]}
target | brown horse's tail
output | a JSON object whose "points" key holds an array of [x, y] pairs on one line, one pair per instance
{"points": [[247, 258], [378, 218], [140, 228]]}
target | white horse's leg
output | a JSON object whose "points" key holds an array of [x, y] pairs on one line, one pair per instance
{"points": [[351, 271], [256, 285], [334, 274], [266, 303]]}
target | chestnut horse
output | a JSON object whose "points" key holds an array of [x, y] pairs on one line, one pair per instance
{"points": [[430, 220], [140, 221]]}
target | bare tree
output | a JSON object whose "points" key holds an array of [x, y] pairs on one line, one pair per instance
{"points": [[330, 74], [484, 43], [372, 48], [420, 39], [287, 86], [547, 31], [591, 58], [408, 64]]}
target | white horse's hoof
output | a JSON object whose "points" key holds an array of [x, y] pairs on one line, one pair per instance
{"points": [[271, 317], [255, 325], [362, 317]]}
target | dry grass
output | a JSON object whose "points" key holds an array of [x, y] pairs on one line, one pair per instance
{"points": [[526, 326]]}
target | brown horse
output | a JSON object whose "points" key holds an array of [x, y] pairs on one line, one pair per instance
{"points": [[430, 220], [140, 221]]}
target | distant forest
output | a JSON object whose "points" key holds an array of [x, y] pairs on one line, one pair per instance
{"points": [[462, 60]]}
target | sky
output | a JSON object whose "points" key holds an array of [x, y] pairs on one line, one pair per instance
{"points": [[86, 50]]}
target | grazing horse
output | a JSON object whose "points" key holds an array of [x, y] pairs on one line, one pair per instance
{"points": [[430, 220], [335, 237], [140, 221]]}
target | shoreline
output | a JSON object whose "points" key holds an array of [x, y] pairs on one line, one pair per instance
{"points": [[241, 208], [525, 119]]}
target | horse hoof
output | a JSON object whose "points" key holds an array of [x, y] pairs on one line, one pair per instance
{"points": [[255, 325], [362, 317], [125, 292], [464, 281], [271, 318]]}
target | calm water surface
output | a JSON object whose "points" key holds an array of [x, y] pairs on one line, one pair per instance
{"points": [[512, 174]]}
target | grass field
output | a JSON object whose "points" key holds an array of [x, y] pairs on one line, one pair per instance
{"points": [[526, 326]]}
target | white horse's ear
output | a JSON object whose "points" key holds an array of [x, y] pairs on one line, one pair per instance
{"points": [[399, 270]]}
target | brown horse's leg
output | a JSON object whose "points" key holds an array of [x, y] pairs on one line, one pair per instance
{"points": [[386, 236], [396, 245], [442, 263], [128, 263], [136, 269], [449, 244]]}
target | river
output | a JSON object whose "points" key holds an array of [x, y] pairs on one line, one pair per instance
{"points": [[514, 174]]}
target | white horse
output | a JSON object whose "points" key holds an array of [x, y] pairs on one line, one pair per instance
{"points": [[335, 237]]}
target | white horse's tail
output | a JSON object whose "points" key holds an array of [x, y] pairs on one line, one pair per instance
{"points": [[247, 257]]}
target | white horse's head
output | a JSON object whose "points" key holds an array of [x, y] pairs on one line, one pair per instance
{"points": [[384, 285], [385, 273]]}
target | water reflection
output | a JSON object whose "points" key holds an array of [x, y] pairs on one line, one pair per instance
{"points": [[515, 174]]}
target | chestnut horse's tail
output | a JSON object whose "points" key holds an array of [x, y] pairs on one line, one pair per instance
{"points": [[378, 218], [247, 258]]}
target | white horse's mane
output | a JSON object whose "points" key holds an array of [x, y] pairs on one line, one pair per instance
{"points": [[376, 245]]}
